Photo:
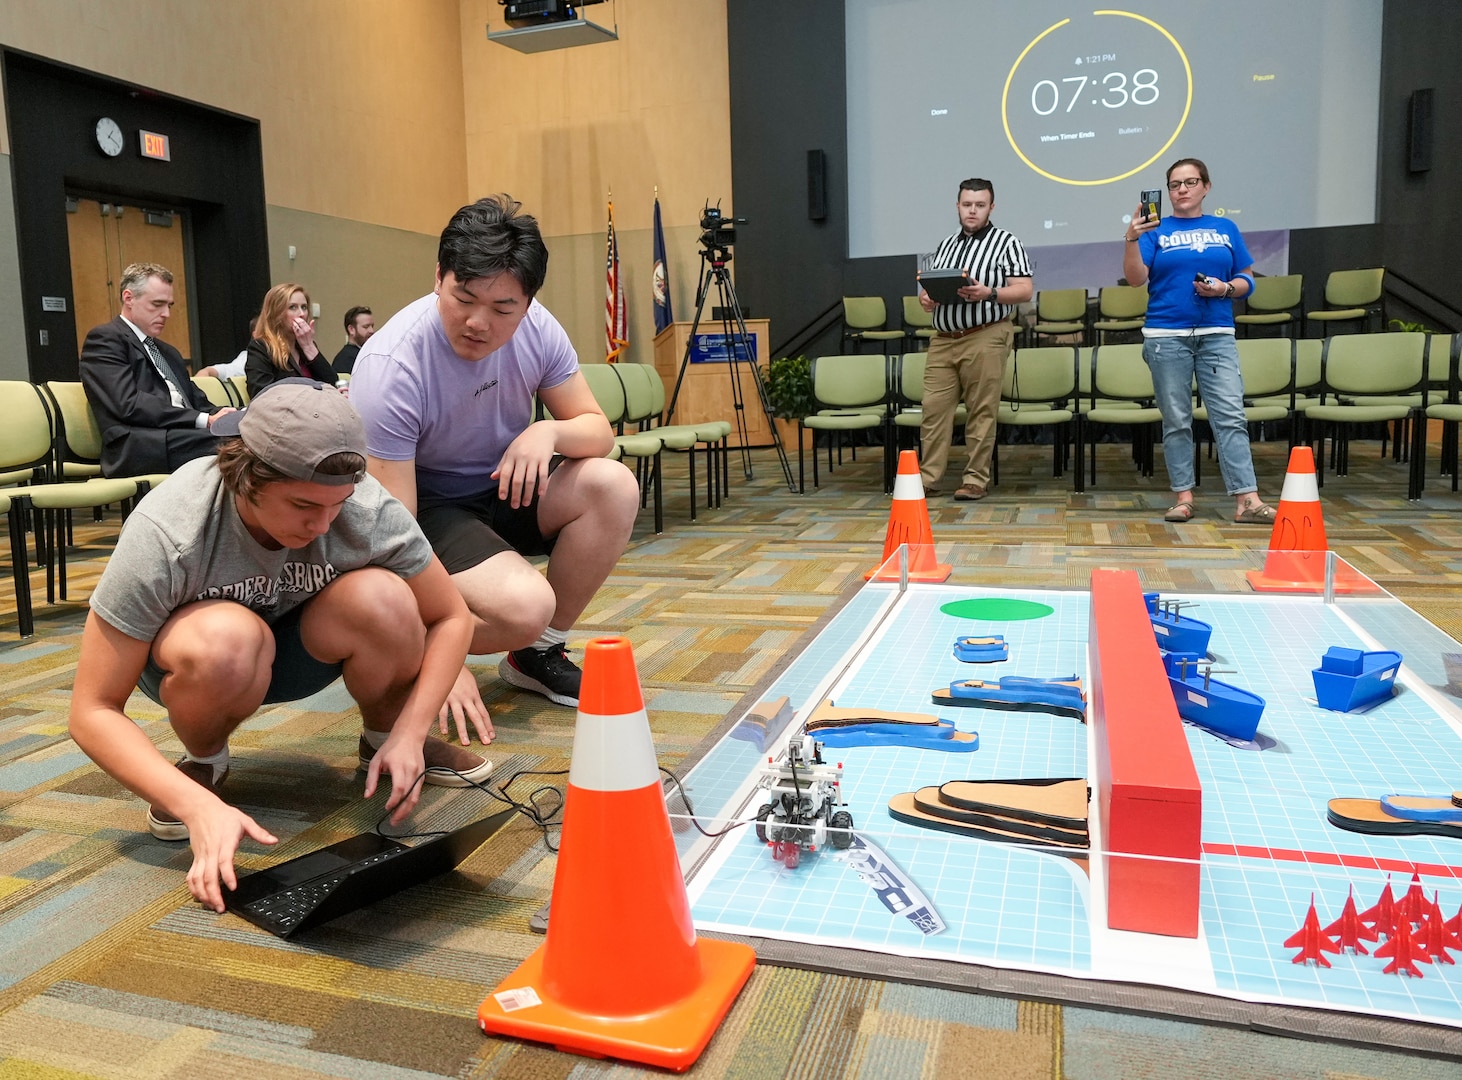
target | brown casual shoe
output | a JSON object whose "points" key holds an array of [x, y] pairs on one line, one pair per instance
{"points": [[969, 493], [447, 764], [931, 492], [165, 825]]}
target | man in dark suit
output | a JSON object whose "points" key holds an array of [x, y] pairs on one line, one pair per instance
{"points": [[152, 417]]}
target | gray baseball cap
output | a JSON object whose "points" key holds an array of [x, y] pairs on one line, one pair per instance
{"points": [[295, 424]]}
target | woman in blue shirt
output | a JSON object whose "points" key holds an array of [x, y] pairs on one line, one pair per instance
{"points": [[1194, 265]]}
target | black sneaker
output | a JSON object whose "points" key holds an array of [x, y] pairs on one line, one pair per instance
{"points": [[164, 824], [545, 671]]}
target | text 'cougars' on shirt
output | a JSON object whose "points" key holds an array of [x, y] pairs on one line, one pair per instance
{"points": [[1194, 239]]}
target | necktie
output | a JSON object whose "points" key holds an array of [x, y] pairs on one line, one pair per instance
{"points": [[155, 355]]}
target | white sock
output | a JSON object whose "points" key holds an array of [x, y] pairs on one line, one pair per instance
{"points": [[549, 639], [374, 739], [219, 761]]}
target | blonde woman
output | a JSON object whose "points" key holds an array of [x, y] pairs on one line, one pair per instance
{"points": [[284, 343]]}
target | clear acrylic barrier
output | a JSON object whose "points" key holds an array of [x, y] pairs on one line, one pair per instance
{"points": [[1268, 845]]}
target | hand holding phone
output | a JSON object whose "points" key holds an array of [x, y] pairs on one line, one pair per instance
{"points": [[1151, 204]]}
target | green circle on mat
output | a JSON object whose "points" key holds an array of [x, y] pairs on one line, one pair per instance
{"points": [[997, 610]]}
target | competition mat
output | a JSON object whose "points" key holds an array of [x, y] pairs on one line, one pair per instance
{"points": [[1267, 848]]}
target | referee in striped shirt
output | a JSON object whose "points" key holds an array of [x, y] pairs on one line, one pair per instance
{"points": [[972, 339]]}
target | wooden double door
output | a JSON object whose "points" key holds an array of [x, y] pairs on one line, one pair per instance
{"points": [[105, 237]]}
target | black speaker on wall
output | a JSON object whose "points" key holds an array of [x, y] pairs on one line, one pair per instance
{"points": [[816, 185], [1419, 132]]}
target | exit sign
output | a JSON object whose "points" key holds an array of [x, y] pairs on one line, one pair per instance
{"points": [[155, 146]]}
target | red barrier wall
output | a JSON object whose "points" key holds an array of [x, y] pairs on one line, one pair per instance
{"points": [[1150, 800]]}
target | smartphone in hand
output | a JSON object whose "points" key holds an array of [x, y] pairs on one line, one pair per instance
{"points": [[1152, 204]]}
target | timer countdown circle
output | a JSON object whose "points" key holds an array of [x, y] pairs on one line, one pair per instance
{"points": [[1115, 79]]}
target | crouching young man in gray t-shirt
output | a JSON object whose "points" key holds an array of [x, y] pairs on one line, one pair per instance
{"points": [[257, 577]]}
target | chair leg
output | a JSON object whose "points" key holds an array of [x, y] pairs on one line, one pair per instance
{"points": [[20, 570], [659, 497], [690, 458], [63, 530], [1078, 442], [801, 475], [55, 539]]}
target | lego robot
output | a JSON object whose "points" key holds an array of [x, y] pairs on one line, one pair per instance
{"points": [[803, 795]]}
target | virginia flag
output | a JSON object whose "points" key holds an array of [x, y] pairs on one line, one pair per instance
{"points": [[664, 316], [616, 321]]}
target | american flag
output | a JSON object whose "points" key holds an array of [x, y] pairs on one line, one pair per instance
{"points": [[616, 324]]}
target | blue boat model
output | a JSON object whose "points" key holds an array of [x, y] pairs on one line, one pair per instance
{"points": [[1228, 711], [1062, 696], [990, 649], [1177, 632], [1351, 679]]}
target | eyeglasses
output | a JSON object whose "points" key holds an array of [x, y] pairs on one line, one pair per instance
{"points": [[1189, 181]]}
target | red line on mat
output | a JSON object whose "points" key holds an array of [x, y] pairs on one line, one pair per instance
{"points": [[1326, 858]]}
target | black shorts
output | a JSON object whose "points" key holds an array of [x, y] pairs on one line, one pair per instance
{"points": [[296, 673], [466, 532]]}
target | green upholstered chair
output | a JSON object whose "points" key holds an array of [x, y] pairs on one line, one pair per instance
{"points": [[1122, 394], [851, 393], [1060, 312], [1351, 296], [865, 318], [215, 391], [1040, 390], [1448, 410], [918, 323], [1275, 301], [1387, 370], [1120, 308], [644, 397], [27, 441], [608, 394]]}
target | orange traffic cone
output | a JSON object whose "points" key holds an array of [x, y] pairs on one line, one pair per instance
{"points": [[908, 523], [622, 973], [1297, 546]]}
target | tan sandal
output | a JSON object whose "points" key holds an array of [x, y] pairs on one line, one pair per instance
{"points": [[1179, 512], [1262, 514]]}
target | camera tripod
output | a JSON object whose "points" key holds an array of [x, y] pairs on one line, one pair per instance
{"points": [[713, 266]]}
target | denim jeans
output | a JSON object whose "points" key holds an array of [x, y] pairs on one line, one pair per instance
{"points": [[1214, 359]]}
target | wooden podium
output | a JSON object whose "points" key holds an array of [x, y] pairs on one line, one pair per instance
{"points": [[706, 393]]}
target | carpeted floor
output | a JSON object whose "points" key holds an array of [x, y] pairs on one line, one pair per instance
{"points": [[107, 969]]}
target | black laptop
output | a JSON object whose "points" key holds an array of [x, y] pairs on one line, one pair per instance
{"points": [[338, 879]]}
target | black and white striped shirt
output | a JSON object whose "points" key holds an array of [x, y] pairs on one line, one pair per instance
{"points": [[992, 257]]}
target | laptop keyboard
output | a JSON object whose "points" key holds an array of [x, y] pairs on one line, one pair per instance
{"points": [[286, 908]]}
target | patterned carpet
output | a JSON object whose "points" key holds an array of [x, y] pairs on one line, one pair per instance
{"points": [[107, 969]]}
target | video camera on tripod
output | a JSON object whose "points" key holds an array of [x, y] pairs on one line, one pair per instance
{"points": [[718, 233]]}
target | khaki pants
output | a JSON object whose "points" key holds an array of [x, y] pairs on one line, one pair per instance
{"points": [[967, 369]]}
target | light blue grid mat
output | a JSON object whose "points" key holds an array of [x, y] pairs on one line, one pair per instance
{"points": [[992, 896], [1018, 908]]}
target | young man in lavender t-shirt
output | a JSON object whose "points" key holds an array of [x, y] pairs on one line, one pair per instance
{"points": [[446, 391]]}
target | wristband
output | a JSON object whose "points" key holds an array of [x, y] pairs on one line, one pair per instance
{"points": [[1228, 290], [1131, 239]]}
